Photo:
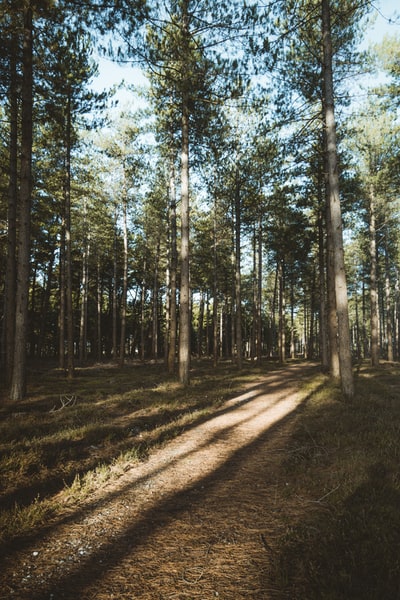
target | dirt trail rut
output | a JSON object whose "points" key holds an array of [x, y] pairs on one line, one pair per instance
{"points": [[197, 520]]}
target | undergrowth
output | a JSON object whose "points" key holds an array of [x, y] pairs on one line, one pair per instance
{"points": [[338, 521], [342, 521], [55, 453]]}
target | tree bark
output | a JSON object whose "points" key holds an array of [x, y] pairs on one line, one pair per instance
{"points": [[172, 270], [281, 316], [292, 329], [345, 361], [124, 296], [184, 304], [114, 291], [374, 307], [323, 333], [142, 314], [396, 318], [259, 336], [10, 281], [311, 344], [200, 328], [19, 375], [84, 289], [389, 321], [61, 310], [154, 324], [68, 249], [215, 289], [99, 351], [238, 275]]}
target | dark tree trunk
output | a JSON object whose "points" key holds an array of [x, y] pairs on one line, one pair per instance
{"points": [[184, 304], [10, 281], [281, 316], [124, 296], [238, 275], [323, 322], [68, 247], [345, 361], [373, 281], [172, 321], [18, 380], [215, 291]]}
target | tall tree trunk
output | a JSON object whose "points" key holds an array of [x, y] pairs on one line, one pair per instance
{"points": [[184, 304], [32, 342], [99, 303], [374, 307], [215, 290], [311, 345], [61, 310], [167, 302], [345, 361], [282, 308], [154, 334], [358, 327], [364, 322], [200, 328], [256, 330], [389, 321], [124, 296], [142, 314], [259, 336], [232, 340], [397, 318], [172, 330], [332, 324], [273, 337], [68, 241], [238, 274], [224, 343], [323, 333], [84, 290], [382, 314], [208, 331], [10, 281], [114, 291], [292, 328], [19, 375], [334, 362]]}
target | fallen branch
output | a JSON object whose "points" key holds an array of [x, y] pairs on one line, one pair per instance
{"points": [[66, 401]]}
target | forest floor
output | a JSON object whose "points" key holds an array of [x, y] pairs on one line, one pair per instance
{"points": [[210, 513]]}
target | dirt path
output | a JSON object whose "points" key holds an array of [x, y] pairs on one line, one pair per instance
{"points": [[198, 519]]}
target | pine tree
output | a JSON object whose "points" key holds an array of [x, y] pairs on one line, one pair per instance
{"points": [[335, 216], [18, 378]]}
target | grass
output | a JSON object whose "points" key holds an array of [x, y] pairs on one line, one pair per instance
{"points": [[338, 527], [52, 456], [341, 535]]}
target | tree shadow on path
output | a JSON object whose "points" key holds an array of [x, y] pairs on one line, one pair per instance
{"points": [[85, 579]]}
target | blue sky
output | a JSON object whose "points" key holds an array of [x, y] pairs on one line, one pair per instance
{"points": [[387, 20], [387, 14]]}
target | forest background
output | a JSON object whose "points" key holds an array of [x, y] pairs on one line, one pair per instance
{"points": [[196, 221], [232, 206]]}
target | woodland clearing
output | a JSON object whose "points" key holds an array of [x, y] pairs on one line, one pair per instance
{"points": [[254, 485]]}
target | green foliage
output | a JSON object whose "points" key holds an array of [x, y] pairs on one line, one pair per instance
{"points": [[388, 56]]}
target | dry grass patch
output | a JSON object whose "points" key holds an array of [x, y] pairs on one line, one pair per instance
{"points": [[55, 451], [343, 495]]}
